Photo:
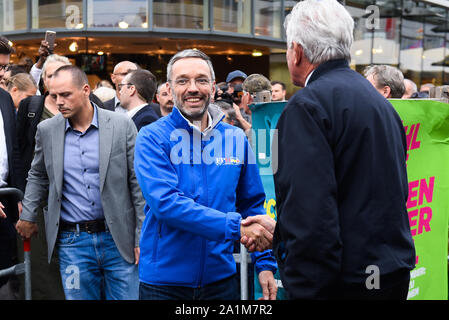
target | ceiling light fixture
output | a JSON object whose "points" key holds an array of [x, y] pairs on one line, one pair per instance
{"points": [[123, 25], [257, 53], [73, 46]]}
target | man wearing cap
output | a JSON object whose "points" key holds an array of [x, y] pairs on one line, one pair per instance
{"points": [[234, 78]]}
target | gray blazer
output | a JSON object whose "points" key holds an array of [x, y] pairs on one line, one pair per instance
{"points": [[121, 196]]}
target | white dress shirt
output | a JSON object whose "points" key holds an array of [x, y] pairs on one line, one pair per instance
{"points": [[131, 113], [308, 77]]}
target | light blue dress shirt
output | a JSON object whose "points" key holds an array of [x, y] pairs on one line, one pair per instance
{"points": [[81, 199]]}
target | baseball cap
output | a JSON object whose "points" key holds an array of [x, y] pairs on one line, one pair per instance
{"points": [[235, 74]]}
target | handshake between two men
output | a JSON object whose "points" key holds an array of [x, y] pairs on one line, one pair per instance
{"points": [[257, 232]]}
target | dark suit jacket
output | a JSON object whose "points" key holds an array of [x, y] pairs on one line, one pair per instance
{"points": [[144, 116], [341, 185], [156, 108], [8, 249], [99, 103], [110, 104]]}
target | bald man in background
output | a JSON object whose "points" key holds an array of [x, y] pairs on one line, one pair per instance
{"points": [[121, 69]]}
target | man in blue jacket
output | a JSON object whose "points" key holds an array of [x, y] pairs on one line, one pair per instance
{"points": [[199, 178], [341, 185]]}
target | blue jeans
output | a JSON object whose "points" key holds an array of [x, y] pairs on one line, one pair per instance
{"points": [[226, 289], [92, 268]]}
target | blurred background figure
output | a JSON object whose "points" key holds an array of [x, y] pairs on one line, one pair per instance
{"points": [[234, 78], [253, 86], [104, 93], [104, 83], [425, 89], [165, 99], [5, 51], [137, 91], [121, 69], [229, 111], [12, 70], [410, 89], [278, 91], [26, 63], [388, 80], [20, 86]]}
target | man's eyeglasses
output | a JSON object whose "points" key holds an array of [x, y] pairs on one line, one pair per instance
{"points": [[200, 82], [120, 85], [4, 67]]}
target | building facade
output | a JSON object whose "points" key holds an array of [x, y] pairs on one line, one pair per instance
{"points": [[237, 34]]}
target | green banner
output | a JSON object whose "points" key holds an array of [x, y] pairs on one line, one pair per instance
{"points": [[426, 125]]}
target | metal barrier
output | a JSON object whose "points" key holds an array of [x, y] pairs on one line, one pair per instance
{"points": [[243, 258], [25, 267]]}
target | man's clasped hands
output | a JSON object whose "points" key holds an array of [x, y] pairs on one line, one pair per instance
{"points": [[257, 232]]}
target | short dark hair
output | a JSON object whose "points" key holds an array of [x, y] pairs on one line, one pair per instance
{"points": [[145, 83], [5, 48], [79, 77], [278, 82], [15, 69]]}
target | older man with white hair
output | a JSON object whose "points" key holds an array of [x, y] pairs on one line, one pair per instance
{"points": [[341, 185], [410, 89]]}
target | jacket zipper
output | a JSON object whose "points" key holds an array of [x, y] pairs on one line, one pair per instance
{"points": [[203, 244]]}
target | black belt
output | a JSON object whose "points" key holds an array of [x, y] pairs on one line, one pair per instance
{"points": [[93, 226]]}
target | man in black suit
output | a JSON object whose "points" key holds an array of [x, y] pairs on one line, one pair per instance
{"points": [[341, 183], [136, 93], [11, 171]]}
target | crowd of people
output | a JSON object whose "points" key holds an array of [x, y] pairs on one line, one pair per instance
{"points": [[93, 151], [118, 189]]}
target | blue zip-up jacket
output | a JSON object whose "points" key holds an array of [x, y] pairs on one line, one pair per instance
{"points": [[197, 188]]}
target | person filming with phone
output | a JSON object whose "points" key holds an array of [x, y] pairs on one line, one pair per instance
{"points": [[46, 48], [256, 88]]}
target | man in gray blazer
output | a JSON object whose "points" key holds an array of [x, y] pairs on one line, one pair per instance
{"points": [[83, 163]]}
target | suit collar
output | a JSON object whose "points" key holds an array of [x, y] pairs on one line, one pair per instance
{"points": [[94, 121], [131, 113], [57, 147], [181, 122], [106, 132], [326, 67]]}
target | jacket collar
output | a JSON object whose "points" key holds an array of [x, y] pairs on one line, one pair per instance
{"points": [[326, 67], [216, 114]]}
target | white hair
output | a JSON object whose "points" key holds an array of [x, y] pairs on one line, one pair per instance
{"points": [[52, 59], [104, 93], [323, 28], [410, 83]]}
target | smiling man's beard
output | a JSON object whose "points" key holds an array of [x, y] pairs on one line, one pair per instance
{"points": [[192, 116]]}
